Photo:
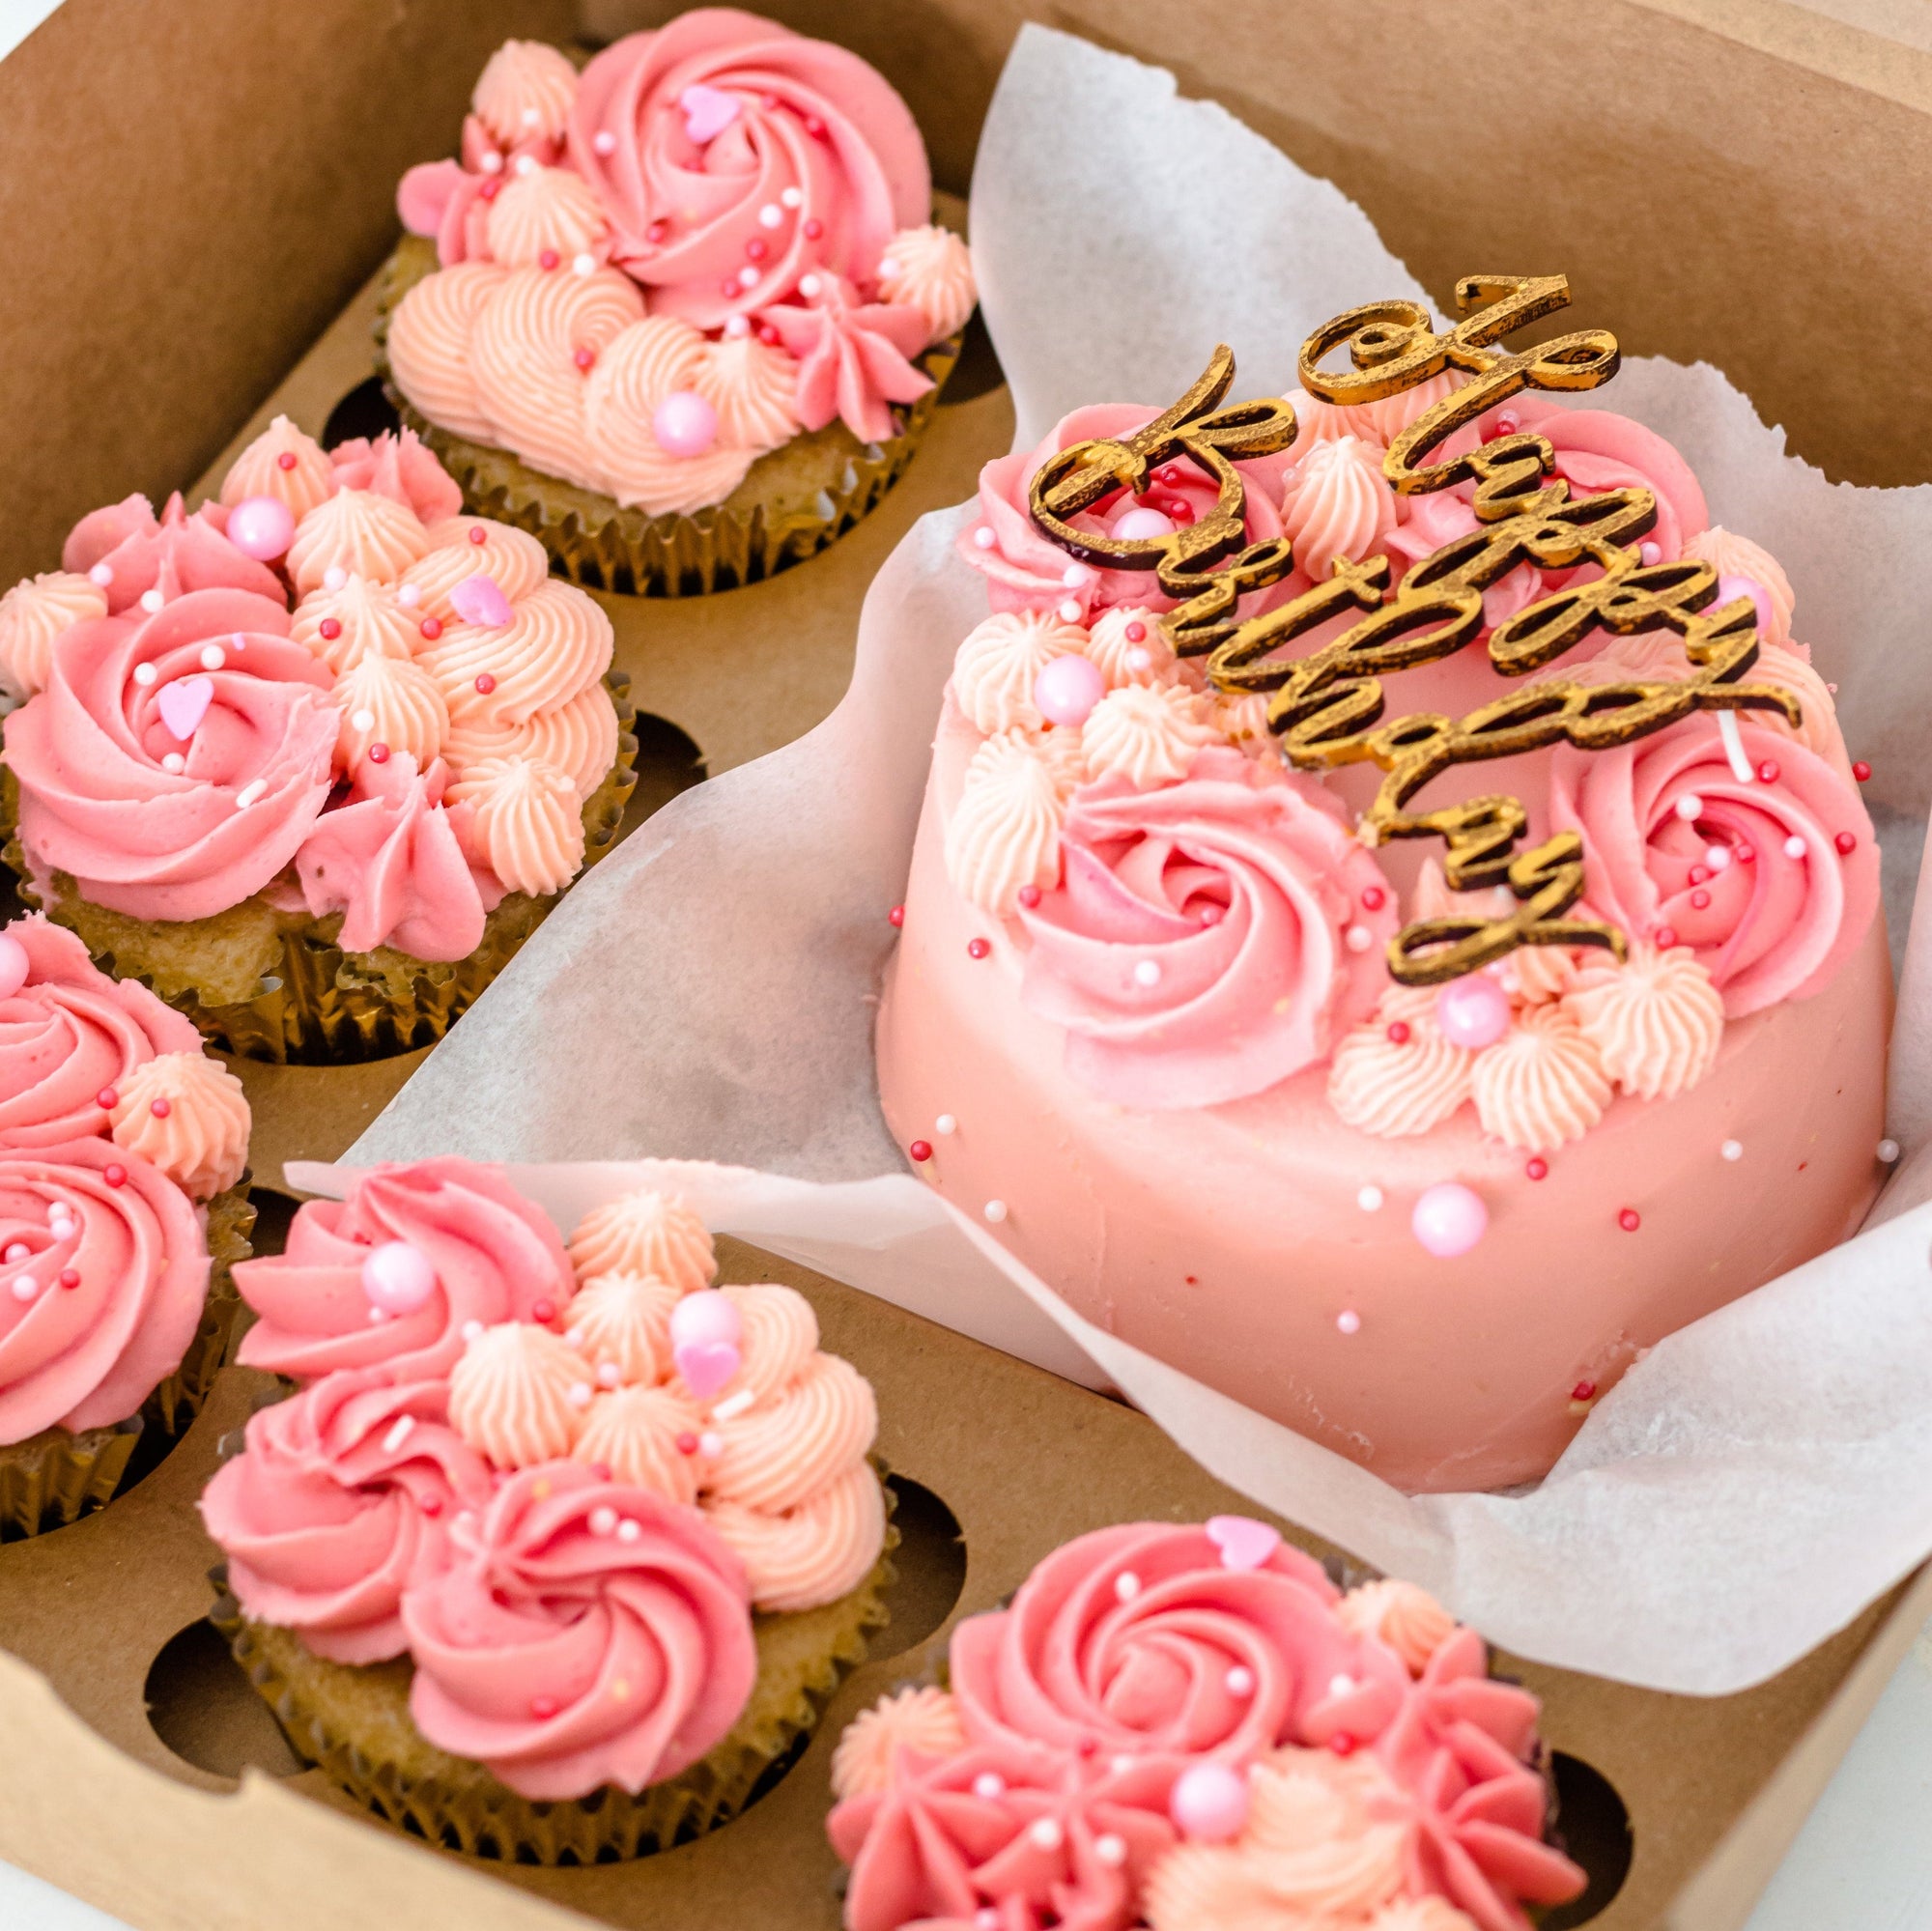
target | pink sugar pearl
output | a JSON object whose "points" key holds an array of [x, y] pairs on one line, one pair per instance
{"points": [[262, 527], [685, 424], [1731, 588], [1209, 1803], [1449, 1219], [1137, 525], [15, 965], [1472, 1012], [1067, 689], [704, 1319], [398, 1278]]}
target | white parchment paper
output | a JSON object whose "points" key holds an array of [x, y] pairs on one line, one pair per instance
{"points": [[707, 994]]}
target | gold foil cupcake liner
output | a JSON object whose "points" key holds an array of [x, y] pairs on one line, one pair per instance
{"points": [[274, 986], [54, 1477], [353, 1724], [794, 501]]}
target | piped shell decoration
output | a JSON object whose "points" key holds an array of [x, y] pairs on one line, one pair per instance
{"points": [[1730, 554], [645, 1232], [622, 1321], [1337, 503], [1005, 830], [1655, 1022], [1541, 1084], [636, 1433], [1395, 1075], [1129, 646], [518, 1394], [1145, 734], [994, 672], [359, 532], [920, 1718], [1409, 1619]]}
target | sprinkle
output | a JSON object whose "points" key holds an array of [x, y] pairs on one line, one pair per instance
{"points": [[995, 1210], [1846, 845], [1342, 1743], [711, 1444], [70, 1277], [1370, 1200], [755, 250], [1358, 938], [578, 1394], [430, 1504], [945, 1123], [174, 764], [213, 657], [334, 577], [583, 265], [604, 141], [1536, 1168], [330, 628], [1732, 1150], [1111, 1849], [1029, 896], [1076, 576], [1127, 1585], [989, 1784], [250, 792], [807, 286], [734, 1406], [1069, 611], [1718, 856], [431, 628], [1240, 1681], [630, 1529], [1699, 900], [17, 1252], [921, 1152], [1045, 1833], [1690, 807], [101, 573], [1794, 846], [379, 754], [813, 228], [748, 278], [1666, 937], [1862, 771], [770, 215], [793, 197], [1138, 660], [1648, 554], [25, 1288], [1768, 771], [491, 163], [144, 674], [1148, 973], [1349, 1321], [607, 1376], [524, 164], [362, 720], [1121, 1765], [400, 1431], [896, 916], [1397, 1031], [1629, 1219], [152, 601], [159, 1108], [472, 1330], [985, 1918], [1745, 854], [1374, 899], [542, 1708], [485, 683], [687, 1443], [107, 1097], [978, 948], [116, 1175], [411, 594], [377, 1316], [1888, 1152], [1583, 1391], [1341, 1686]]}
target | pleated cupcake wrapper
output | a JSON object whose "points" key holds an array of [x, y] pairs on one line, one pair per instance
{"points": [[458, 1804], [598, 543], [53, 1478], [320, 1004]]}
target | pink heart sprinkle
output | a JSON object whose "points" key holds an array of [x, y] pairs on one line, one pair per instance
{"points": [[705, 1365], [183, 703], [1243, 1541], [707, 112], [477, 599]]}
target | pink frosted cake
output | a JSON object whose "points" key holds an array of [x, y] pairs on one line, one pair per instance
{"points": [[1143, 1019]]}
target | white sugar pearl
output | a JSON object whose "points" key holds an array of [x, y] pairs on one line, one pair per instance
{"points": [[362, 720], [1888, 1152], [578, 1394], [101, 574], [995, 1210], [748, 277], [1341, 1686], [1069, 611], [1139, 659], [472, 1330], [409, 595], [1127, 1585], [334, 577], [737, 327], [1121, 1765], [174, 764], [17, 1252], [809, 286], [377, 1316], [1369, 1198], [989, 1784], [1111, 1850], [1148, 973], [607, 1375], [526, 164], [1046, 1835], [984, 536], [1716, 857], [144, 674], [491, 163], [770, 214], [26, 1288], [1794, 846], [604, 142], [711, 1444], [530, 117], [628, 1531], [1240, 1682], [1648, 554], [213, 656], [583, 265], [1732, 1150], [1349, 1321], [1076, 576], [985, 1918], [1358, 938], [945, 1123], [793, 197], [152, 601], [1689, 806]]}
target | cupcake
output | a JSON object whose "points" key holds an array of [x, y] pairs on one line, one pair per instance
{"points": [[546, 1563], [314, 760], [123, 1207], [1190, 1727], [684, 316]]}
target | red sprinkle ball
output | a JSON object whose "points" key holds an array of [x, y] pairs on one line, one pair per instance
{"points": [[542, 1708], [1630, 1220], [813, 228], [485, 683], [430, 1504], [1374, 899], [478, 534], [1136, 633], [1745, 854], [1583, 1391], [687, 1444], [379, 752], [1666, 937], [492, 187], [1769, 771], [116, 1175], [978, 948], [1029, 896], [1397, 1031], [657, 230], [768, 334], [1342, 1743], [895, 917], [70, 1277], [432, 628], [585, 358], [548, 258], [330, 628], [921, 1152], [1537, 1168], [815, 125], [286, 460], [159, 1108], [1846, 843], [1862, 771], [755, 249], [1699, 900], [107, 1097], [542, 1311]]}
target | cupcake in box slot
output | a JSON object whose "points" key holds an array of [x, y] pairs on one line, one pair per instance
{"points": [[555, 1551], [1190, 1728], [123, 1207], [1390, 882], [316, 759], [683, 316]]}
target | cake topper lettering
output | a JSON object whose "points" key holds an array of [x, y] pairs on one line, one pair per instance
{"points": [[1327, 708]]}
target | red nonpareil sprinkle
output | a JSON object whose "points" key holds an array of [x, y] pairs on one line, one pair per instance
{"points": [[1699, 900], [1397, 1031], [379, 752], [1537, 1168], [1770, 770], [159, 1108], [1629, 1219], [1846, 845], [116, 1175], [542, 1708], [492, 187], [813, 228], [430, 1504], [978, 948], [1666, 937], [107, 1097], [478, 534], [70, 1277], [548, 258], [729, 288], [330, 628], [656, 232], [896, 916], [485, 683], [585, 358], [687, 1444], [1583, 1391], [1136, 633], [431, 628], [1180, 511], [756, 250], [768, 335], [1699, 873], [1374, 899], [1745, 854], [921, 1152], [1029, 896], [1342, 1743], [602, 1470], [542, 1311], [815, 125], [1862, 771]]}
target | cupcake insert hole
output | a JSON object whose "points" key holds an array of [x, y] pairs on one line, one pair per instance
{"points": [[930, 1565], [1594, 1824], [365, 410], [202, 1707]]}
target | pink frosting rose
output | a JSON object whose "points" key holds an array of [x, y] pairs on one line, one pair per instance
{"points": [[1025, 572], [1598, 449], [496, 1258], [1754, 879], [341, 1500], [68, 1035], [97, 799], [853, 356], [565, 1660], [398, 467], [388, 858], [724, 141], [129, 553], [101, 1306], [1208, 938], [1121, 1643]]}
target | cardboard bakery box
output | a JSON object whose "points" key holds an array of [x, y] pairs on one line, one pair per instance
{"points": [[194, 200]]}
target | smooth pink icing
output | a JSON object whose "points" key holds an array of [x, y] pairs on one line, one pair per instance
{"points": [[388, 858], [854, 357], [89, 1356], [398, 465], [497, 1257], [95, 802], [68, 1035], [564, 1659], [858, 179], [1239, 1003], [1025, 572], [1777, 929], [135, 549], [343, 1499]]}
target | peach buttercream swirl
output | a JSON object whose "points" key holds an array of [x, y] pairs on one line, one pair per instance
{"points": [[284, 462], [590, 1633], [525, 93], [1395, 1074], [392, 703], [752, 385], [557, 642], [930, 269], [1003, 833], [341, 1498], [1146, 734], [621, 1322], [463, 547], [1409, 1619], [429, 346], [34, 615], [517, 1394], [358, 619], [545, 217], [579, 737], [495, 1257], [647, 1232], [187, 1114], [523, 822], [996, 667], [644, 1435], [359, 532], [919, 1717], [1541, 1084], [1130, 647], [1657, 1021], [1337, 503]]}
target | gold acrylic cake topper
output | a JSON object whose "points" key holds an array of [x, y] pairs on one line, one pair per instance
{"points": [[1326, 708]]}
